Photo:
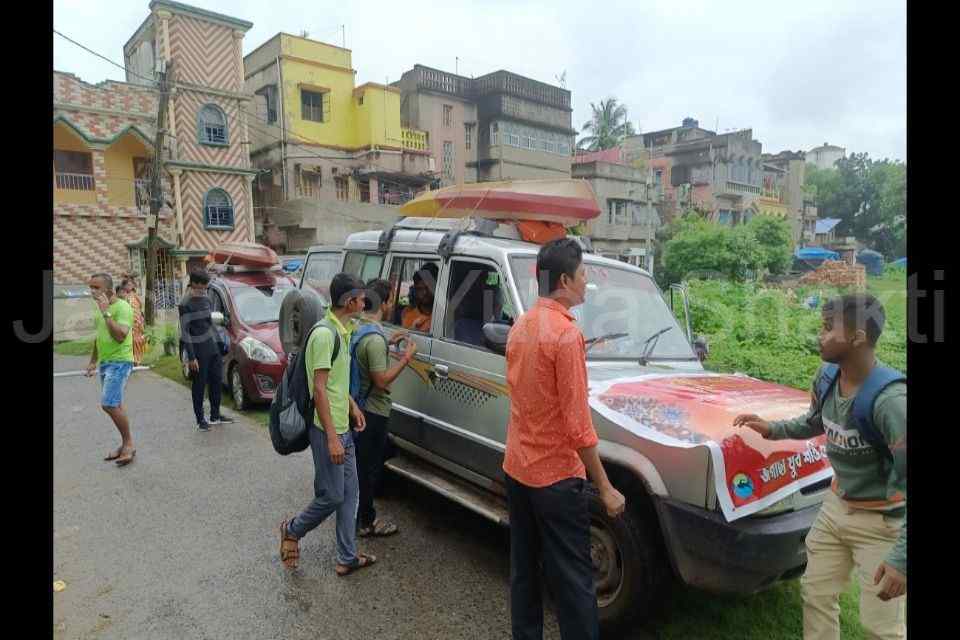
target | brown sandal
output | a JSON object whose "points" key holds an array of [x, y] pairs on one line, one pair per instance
{"points": [[124, 460], [289, 547], [364, 560], [113, 455]]}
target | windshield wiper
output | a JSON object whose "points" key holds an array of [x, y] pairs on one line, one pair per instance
{"points": [[652, 342], [592, 342]]}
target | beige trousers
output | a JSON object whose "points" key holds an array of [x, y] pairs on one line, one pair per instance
{"points": [[844, 540]]}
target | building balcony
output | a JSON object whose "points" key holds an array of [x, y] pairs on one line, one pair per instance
{"points": [[75, 181], [414, 140], [739, 189]]}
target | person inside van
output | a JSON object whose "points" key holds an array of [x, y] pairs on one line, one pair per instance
{"points": [[482, 303], [418, 315]]}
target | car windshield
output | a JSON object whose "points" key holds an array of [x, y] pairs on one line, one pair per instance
{"points": [[618, 302], [257, 305]]}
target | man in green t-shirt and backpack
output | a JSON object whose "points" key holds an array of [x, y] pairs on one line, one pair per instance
{"points": [[113, 356], [327, 361], [861, 406]]}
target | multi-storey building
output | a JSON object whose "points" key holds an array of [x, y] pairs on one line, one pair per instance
{"points": [[825, 156], [103, 152], [628, 217], [720, 175], [333, 157], [500, 126], [783, 195]]}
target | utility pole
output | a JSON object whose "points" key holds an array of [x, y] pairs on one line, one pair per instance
{"points": [[156, 192]]}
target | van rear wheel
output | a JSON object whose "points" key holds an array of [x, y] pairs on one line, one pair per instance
{"points": [[627, 563]]}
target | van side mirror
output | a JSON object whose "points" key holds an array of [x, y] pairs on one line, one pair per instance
{"points": [[495, 336]]}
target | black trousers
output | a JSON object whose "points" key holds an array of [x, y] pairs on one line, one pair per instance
{"points": [[551, 524], [210, 374], [371, 445]]}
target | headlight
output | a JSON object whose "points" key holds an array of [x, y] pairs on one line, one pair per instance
{"points": [[258, 351]]}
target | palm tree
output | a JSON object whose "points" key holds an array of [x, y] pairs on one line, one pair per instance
{"points": [[608, 127]]}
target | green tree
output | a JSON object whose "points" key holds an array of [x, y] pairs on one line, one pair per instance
{"points": [[868, 196], [702, 248], [607, 127], [774, 239]]}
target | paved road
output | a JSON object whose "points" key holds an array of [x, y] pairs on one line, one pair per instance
{"points": [[183, 542]]}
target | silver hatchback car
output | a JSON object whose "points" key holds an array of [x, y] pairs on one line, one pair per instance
{"points": [[722, 509]]}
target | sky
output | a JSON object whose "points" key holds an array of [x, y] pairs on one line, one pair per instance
{"points": [[816, 71]]}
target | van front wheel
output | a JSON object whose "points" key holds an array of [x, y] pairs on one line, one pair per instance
{"points": [[627, 565]]}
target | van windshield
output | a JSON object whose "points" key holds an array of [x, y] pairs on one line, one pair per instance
{"points": [[618, 302]]}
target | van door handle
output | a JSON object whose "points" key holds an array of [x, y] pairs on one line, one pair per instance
{"points": [[441, 370]]}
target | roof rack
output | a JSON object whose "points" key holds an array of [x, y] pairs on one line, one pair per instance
{"points": [[235, 268]]}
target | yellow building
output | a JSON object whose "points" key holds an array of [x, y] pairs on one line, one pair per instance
{"points": [[318, 137]]}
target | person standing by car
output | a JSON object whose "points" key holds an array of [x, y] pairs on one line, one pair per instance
{"points": [[551, 447], [203, 350], [862, 524], [373, 397], [331, 442], [113, 356]]}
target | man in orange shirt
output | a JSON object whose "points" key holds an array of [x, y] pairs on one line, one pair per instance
{"points": [[551, 447]]}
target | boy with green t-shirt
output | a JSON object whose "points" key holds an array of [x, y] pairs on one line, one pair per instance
{"points": [[862, 524], [331, 441], [376, 376], [113, 357]]}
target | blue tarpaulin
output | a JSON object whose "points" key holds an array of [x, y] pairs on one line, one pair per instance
{"points": [[816, 253], [872, 261], [900, 263]]}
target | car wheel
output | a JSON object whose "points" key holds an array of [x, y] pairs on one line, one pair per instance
{"points": [[628, 563], [240, 398], [300, 310]]}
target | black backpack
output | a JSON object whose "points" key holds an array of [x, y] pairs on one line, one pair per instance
{"points": [[291, 412]]}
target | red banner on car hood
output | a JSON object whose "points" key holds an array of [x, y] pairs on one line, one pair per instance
{"points": [[697, 410]]}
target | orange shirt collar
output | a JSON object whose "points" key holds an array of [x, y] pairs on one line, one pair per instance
{"points": [[553, 305]]}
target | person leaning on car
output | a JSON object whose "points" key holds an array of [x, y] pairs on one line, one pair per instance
{"points": [[203, 352], [551, 447]]}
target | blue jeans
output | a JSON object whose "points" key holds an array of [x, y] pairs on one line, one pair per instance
{"points": [[113, 379], [335, 490]]}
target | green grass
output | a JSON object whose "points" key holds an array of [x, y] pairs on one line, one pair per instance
{"points": [[169, 367], [74, 347], [773, 614], [767, 333]]}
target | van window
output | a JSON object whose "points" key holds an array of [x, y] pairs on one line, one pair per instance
{"points": [[320, 269], [476, 295], [414, 284], [365, 266]]}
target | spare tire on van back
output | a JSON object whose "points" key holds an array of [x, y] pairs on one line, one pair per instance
{"points": [[300, 310]]}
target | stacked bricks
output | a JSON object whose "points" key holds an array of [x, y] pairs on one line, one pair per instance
{"points": [[837, 274]]}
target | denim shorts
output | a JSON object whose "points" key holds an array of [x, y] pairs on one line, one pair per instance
{"points": [[113, 379]]}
